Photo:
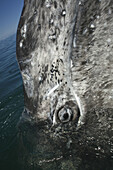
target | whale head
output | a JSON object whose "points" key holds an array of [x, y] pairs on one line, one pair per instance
{"points": [[64, 50]]}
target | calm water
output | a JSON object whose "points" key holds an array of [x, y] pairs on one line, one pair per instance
{"points": [[11, 103]]}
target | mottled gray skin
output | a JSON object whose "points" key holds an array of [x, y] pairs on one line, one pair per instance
{"points": [[65, 53]]}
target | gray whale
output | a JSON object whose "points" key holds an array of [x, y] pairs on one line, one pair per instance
{"points": [[64, 50]]}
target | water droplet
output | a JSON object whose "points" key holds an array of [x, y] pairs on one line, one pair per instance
{"points": [[24, 35], [51, 21], [110, 97], [32, 63], [80, 3], [63, 12], [108, 40], [21, 43], [99, 148], [97, 16], [23, 31], [92, 26], [48, 4], [109, 11], [52, 37], [40, 78]]}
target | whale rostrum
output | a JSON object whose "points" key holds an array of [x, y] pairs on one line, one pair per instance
{"points": [[64, 50]]}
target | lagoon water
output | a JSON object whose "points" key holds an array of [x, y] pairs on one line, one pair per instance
{"points": [[11, 103]]}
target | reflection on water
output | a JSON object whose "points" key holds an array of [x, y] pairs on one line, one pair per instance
{"points": [[11, 104]]}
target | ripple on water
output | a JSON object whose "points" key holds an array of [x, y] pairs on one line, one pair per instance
{"points": [[11, 102]]}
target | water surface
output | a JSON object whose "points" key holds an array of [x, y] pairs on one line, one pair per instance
{"points": [[11, 103]]}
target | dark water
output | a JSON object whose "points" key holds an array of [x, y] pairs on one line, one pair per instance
{"points": [[11, 103]]}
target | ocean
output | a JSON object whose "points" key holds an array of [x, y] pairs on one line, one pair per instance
{"points": [[11, 103]]}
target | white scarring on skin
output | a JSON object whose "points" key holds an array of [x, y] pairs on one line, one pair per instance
{"points": [[74, 42], [52, 90], [54, 120], [26, 61], [78, 102], [82, 109], [71, 64]]}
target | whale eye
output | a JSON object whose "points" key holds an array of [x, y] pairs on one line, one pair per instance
{"points": [[65, 115]]}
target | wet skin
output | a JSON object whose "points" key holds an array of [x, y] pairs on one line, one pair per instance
{"points": [[64, 49]]}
